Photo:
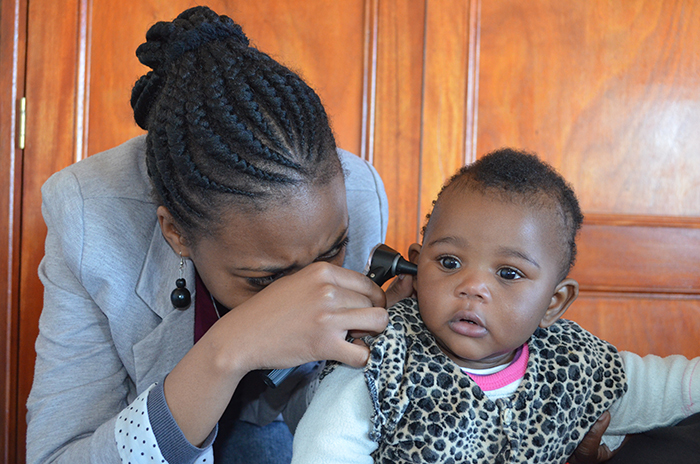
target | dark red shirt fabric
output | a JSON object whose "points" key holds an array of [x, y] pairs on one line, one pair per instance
{"points": [[204, 313]]}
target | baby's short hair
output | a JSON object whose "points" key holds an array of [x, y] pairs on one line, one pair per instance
{"points": [[519, 176]]}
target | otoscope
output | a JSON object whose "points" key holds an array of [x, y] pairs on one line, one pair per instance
{"points": [[384, 263]]}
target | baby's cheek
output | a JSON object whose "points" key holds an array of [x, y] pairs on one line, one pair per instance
{"points": [[431, 317]]}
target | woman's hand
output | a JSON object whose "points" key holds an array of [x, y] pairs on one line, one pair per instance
{"points": [[401, 287], [590, 451], [305, 317]]}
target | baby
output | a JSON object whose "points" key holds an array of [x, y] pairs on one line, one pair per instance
{"points": [[481, 367]]}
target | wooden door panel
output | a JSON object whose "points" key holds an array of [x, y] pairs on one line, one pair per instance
{"points": [[393, 116], [50, 145], [444, 97], [607, 92], [641, 323], [323, 41], [13, 34], [424, 118], [658, 257]]}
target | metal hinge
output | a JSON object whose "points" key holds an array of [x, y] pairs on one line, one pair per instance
{"points": [[22, 122]]}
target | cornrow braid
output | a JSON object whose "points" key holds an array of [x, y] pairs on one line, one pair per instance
{"points": [[288, 102], [264, 86], [227, 124], [252, 112]]}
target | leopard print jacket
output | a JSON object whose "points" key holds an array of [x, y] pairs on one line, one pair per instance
{"points": [[427, 410]]}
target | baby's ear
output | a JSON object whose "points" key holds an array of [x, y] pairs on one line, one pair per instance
{"points": [[414, 252], [565, 294]]}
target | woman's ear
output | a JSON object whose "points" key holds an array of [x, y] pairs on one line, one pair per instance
{"points": [[565, 294], [171, 232]]}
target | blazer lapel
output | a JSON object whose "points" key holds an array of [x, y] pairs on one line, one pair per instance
{"points": [[160, 271], [157, 353]]}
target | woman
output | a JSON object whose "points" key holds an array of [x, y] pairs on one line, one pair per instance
{"points": [[237, 184]]}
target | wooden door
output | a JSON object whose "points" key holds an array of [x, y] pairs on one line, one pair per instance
{"points": [[80, 69], [12, 51], [605, 91]]}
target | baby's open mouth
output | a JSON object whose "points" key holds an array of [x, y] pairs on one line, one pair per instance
{"points": [[469, 326], [469, 320]]}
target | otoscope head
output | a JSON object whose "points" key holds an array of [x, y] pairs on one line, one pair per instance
{"points": [[385, 262]]}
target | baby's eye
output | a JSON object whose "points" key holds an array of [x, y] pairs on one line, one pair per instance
{"points": [[509, 273], [448, 262]]}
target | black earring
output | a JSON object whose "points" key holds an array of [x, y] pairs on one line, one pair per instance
{"points": [[180, 297]]}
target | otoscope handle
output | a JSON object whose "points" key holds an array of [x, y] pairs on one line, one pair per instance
{"points": [[274, 377]]}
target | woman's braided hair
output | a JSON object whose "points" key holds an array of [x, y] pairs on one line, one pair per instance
{"points": [[226, 123]]}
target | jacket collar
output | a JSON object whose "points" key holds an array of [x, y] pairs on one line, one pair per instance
{"points": [[161, 269]]}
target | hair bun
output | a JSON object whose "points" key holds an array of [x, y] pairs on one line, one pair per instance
{"points": [[167, 41], [143, 95]]}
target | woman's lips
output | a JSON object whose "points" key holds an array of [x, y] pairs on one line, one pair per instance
{"points": [[468, 324]]}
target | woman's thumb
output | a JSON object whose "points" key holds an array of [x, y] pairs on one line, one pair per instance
{"points": [[401, 287]]}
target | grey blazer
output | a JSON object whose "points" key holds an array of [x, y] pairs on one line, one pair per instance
{"points": [[108, 330]]}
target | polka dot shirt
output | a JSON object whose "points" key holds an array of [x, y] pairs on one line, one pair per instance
{"points": [[136, 440]]}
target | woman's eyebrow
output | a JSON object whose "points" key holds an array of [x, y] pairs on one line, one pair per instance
{"points": [[277, 270]]}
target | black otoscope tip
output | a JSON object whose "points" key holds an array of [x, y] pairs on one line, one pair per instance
{"points": [[385, 262]]}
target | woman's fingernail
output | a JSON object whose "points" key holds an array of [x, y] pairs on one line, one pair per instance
{"points": [[401, 276]]}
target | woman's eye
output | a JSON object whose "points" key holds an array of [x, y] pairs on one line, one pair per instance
{"points": [[508, 273], [448, 262], [330, 256], [262, 282]]}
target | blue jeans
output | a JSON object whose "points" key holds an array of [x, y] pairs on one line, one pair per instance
{"points": [[246, 443]]}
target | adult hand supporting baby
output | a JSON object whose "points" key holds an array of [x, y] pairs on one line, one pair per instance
{"points": [[590, 451]]}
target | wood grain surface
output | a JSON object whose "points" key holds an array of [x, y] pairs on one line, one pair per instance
{"points": [[607, 92], [13, 35]]}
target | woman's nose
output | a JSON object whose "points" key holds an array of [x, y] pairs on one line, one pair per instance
{"points": [[472, 284]]}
